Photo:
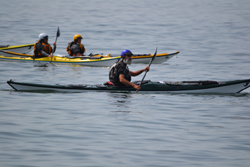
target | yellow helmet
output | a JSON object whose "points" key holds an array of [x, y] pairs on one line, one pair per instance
{"points": [[77, 36]]}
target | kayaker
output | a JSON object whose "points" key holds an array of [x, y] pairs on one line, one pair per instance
{"points": [[75, 48], [120, 75], [42, 48]]}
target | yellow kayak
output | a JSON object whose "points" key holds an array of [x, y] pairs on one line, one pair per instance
{"points": [[92, 60], [85, 61]]}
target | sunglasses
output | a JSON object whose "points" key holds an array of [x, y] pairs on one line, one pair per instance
{"points": [[129, 55]]}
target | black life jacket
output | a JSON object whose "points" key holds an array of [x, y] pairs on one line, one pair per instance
{"points": [[116, 70], [68, 49]]}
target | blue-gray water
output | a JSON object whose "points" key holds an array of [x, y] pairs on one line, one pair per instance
{"points": [[127, 129]]}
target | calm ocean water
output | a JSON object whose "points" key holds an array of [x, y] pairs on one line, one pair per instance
{"points": [[127, 129]]}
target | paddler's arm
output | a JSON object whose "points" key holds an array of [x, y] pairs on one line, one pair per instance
{"points": [[139, 71], [45, 54], [126, 82]]}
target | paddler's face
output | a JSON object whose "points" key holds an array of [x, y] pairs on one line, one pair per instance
{"points": [[79, 40], [46, 40], [128, 59]]}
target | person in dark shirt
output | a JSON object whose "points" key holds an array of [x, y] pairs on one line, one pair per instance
{"points": [[42, 48], [75, 48], [120, 75]]}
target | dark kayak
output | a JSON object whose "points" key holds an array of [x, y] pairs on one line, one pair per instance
{"points": [[234, 86]]}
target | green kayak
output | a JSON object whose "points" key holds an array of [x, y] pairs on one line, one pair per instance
{"points": [[234, 86]]}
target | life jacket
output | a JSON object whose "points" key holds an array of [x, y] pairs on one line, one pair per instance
{"points": [[116, 70], [37, 51], [68, 49]]}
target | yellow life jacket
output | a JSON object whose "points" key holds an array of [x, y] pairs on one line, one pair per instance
{"points": [[47, 49], [68, 49]]}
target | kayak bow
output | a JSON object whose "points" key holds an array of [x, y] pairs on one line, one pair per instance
{"points": [[24, 49]]}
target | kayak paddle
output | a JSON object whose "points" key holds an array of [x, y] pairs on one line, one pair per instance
{"points": [[57, 35], [149, 66]]}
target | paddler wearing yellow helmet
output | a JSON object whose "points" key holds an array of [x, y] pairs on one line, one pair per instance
{"points": [[75, 48], [42, 48]]}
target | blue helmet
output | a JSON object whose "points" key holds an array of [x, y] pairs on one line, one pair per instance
{"points": [[126, 53]]}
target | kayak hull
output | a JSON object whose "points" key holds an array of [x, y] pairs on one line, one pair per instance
{"points": [[198, 87], [24, 49], [92, 61]]}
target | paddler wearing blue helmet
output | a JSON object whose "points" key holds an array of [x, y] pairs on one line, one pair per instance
{"points": [[119, 73]]}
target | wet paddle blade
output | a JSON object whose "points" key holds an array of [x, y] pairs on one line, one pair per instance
{"points": [[58, 32], [153, 57]]}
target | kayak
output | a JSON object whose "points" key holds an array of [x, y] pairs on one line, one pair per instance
{"points": [[137, 58], [17, 48], [235, 86], [84, 61]]}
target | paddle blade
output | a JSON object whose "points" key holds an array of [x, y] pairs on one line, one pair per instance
{"points": [[153, 57], [154, 54], [58, 32]]}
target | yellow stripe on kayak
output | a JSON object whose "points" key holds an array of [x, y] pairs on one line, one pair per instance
{"points": [[16, 46]]}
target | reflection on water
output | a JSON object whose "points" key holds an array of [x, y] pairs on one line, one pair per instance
{"points": [[120, 96], [41, 69], [44, 66], [41, 65], [120, 100]]}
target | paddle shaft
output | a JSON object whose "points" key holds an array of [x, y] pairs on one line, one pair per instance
{"points": [[147, 70], [52, 52], [57, 35]]}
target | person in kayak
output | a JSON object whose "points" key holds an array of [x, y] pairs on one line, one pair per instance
{"points": [[75, 48], [119, 73], [42, 48]]}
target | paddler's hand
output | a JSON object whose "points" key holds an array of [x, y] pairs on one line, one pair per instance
{"points": [[137, 87], [50, 56], [146, 69], [54, 44]]}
